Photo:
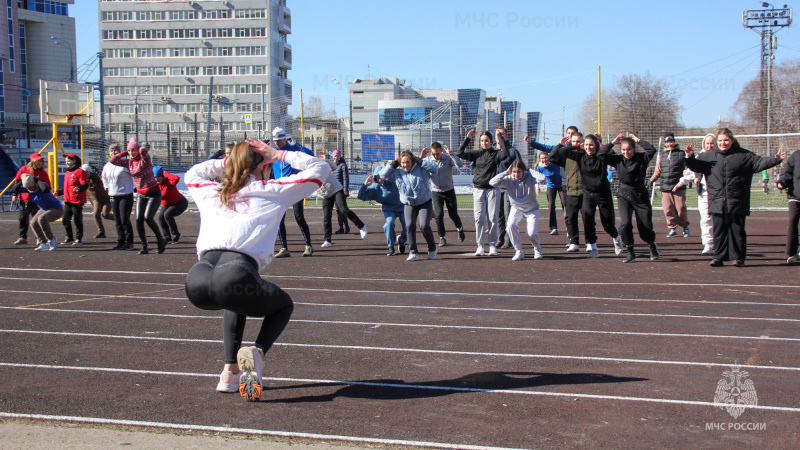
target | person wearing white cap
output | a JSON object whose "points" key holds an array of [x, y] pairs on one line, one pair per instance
{"points": [[280, 170]]}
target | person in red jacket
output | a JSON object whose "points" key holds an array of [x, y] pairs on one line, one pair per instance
{"points": [[76, 182], [173, 204], [27, 207]]}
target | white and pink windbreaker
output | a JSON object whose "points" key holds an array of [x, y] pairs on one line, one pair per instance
{"points": [[259, 206]]}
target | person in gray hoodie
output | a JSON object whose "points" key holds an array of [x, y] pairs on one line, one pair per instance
{"points": [[444, 193], [412, 176], [520, 186]]}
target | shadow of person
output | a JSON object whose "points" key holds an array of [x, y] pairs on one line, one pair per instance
{"points": [[477, 382]]}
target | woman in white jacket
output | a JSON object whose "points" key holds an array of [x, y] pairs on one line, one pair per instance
{"points": [[239, 219], [119, 184], [520, 186]]}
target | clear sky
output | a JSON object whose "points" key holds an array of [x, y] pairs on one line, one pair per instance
{"points": [[542, 54]]}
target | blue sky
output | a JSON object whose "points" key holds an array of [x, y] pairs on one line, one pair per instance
{"points": [[543, 54]]}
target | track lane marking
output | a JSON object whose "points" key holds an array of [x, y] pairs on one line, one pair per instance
{"points": [[413, 386], [97, 298], [418, 325], [529, 283], [407, 350]]}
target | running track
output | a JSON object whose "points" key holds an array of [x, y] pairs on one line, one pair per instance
{"points": [[459, 352]]}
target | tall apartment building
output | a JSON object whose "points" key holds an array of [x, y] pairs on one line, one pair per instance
{"points": [[30, 54], [160, 58]]}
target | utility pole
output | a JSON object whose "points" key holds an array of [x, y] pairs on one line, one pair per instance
{"points": [[102, 90], [766, 22], [208, 122]]}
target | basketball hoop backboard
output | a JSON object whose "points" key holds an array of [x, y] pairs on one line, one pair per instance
{"points": [[66, 103]]}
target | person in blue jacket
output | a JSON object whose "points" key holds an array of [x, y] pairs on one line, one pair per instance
{"points": [[50, 210], [279, 170], [552, 176], [412, 176], [377, 189]]}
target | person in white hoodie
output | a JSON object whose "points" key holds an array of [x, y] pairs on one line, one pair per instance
{"points": [[239, 220], [119, 184], [520, 186]]}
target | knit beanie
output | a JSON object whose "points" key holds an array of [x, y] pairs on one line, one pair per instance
{"points": [[158, 171], [132, 144], [29, 181]]}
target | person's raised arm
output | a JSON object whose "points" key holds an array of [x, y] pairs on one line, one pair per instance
{"points": [[539, 146], [465, 154], [456, 160]]}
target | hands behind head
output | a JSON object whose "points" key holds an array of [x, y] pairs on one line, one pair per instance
{"points": [[618, 138], [423, 152], [634, 137], [369, 180], [270, 154], [508, 171], [471, 133], [446, 148]]}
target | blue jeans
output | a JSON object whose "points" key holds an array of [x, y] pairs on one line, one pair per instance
{"points": [[388, 227]]}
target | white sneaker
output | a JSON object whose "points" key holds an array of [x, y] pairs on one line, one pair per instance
{"points": [[251, 363], [363, 232], [793, 259], [228, 381], [588, 247], [53, 243], [326, 244], [479, 251], [518, 256], [617, 245], [708, 250], [42, 248], [537, 252], [412, 256], [492, 250], [432, 254], [572, 248], [593, 254]]}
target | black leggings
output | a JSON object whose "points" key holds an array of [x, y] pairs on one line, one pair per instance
{"points": [[167, 214], [146, 208], [605, 203], [327, 209], [551, 204], [300, 218], [445, 199], [229, 281], [122, 205], [73, 211]]}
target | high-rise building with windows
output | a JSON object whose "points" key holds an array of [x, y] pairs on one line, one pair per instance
{"points": [[159, 59], [31, 53]]}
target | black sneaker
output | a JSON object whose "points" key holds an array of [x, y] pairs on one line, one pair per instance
{"points": [[461, 235], [162, 245], [143, 250], [654, 255], [346, 230], [401, 247], [177, 239], [392, 252], [442, 242], [715, 263], [128, 246], [631, 258], [507, 244], [119, 246], [339, 231], [738, 263], [100, 236]]}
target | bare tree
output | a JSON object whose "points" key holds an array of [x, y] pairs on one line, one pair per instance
{"points": [[313, 107], [784, 100], [641, 104]]}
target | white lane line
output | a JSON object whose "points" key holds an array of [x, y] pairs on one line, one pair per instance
{"points": [[419, 325], [459, 294], [250, 431], [662, 285], [408, 386], [405, 350]]}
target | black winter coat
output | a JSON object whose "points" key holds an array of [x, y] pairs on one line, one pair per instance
{"points": [[790, 176], [486, 162], [729, 176]]}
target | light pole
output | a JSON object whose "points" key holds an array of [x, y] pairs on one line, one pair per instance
{"points": [[136, 110], [71, 61]]}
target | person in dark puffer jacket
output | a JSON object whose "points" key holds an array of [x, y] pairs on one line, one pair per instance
{"points": [[729, 171], [670, 166], [790, 180]]}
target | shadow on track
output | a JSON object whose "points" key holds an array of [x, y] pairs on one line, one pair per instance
{"points": [[477, 382]]}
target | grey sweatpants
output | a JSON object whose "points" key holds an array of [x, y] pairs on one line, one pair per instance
{"points": [[486, 204]]}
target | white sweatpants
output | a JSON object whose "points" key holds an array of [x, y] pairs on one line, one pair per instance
{"points": [[706, 224], [486, 203], [532, 219]]}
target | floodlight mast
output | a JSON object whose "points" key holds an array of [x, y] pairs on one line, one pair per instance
{"points": [[766, 22]]}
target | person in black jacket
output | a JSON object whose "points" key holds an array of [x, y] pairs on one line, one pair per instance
{"points": [[729, 171], [343, 175], [790, 180], [596, 190], [670, 166], [485, 198], [633, 196]]}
